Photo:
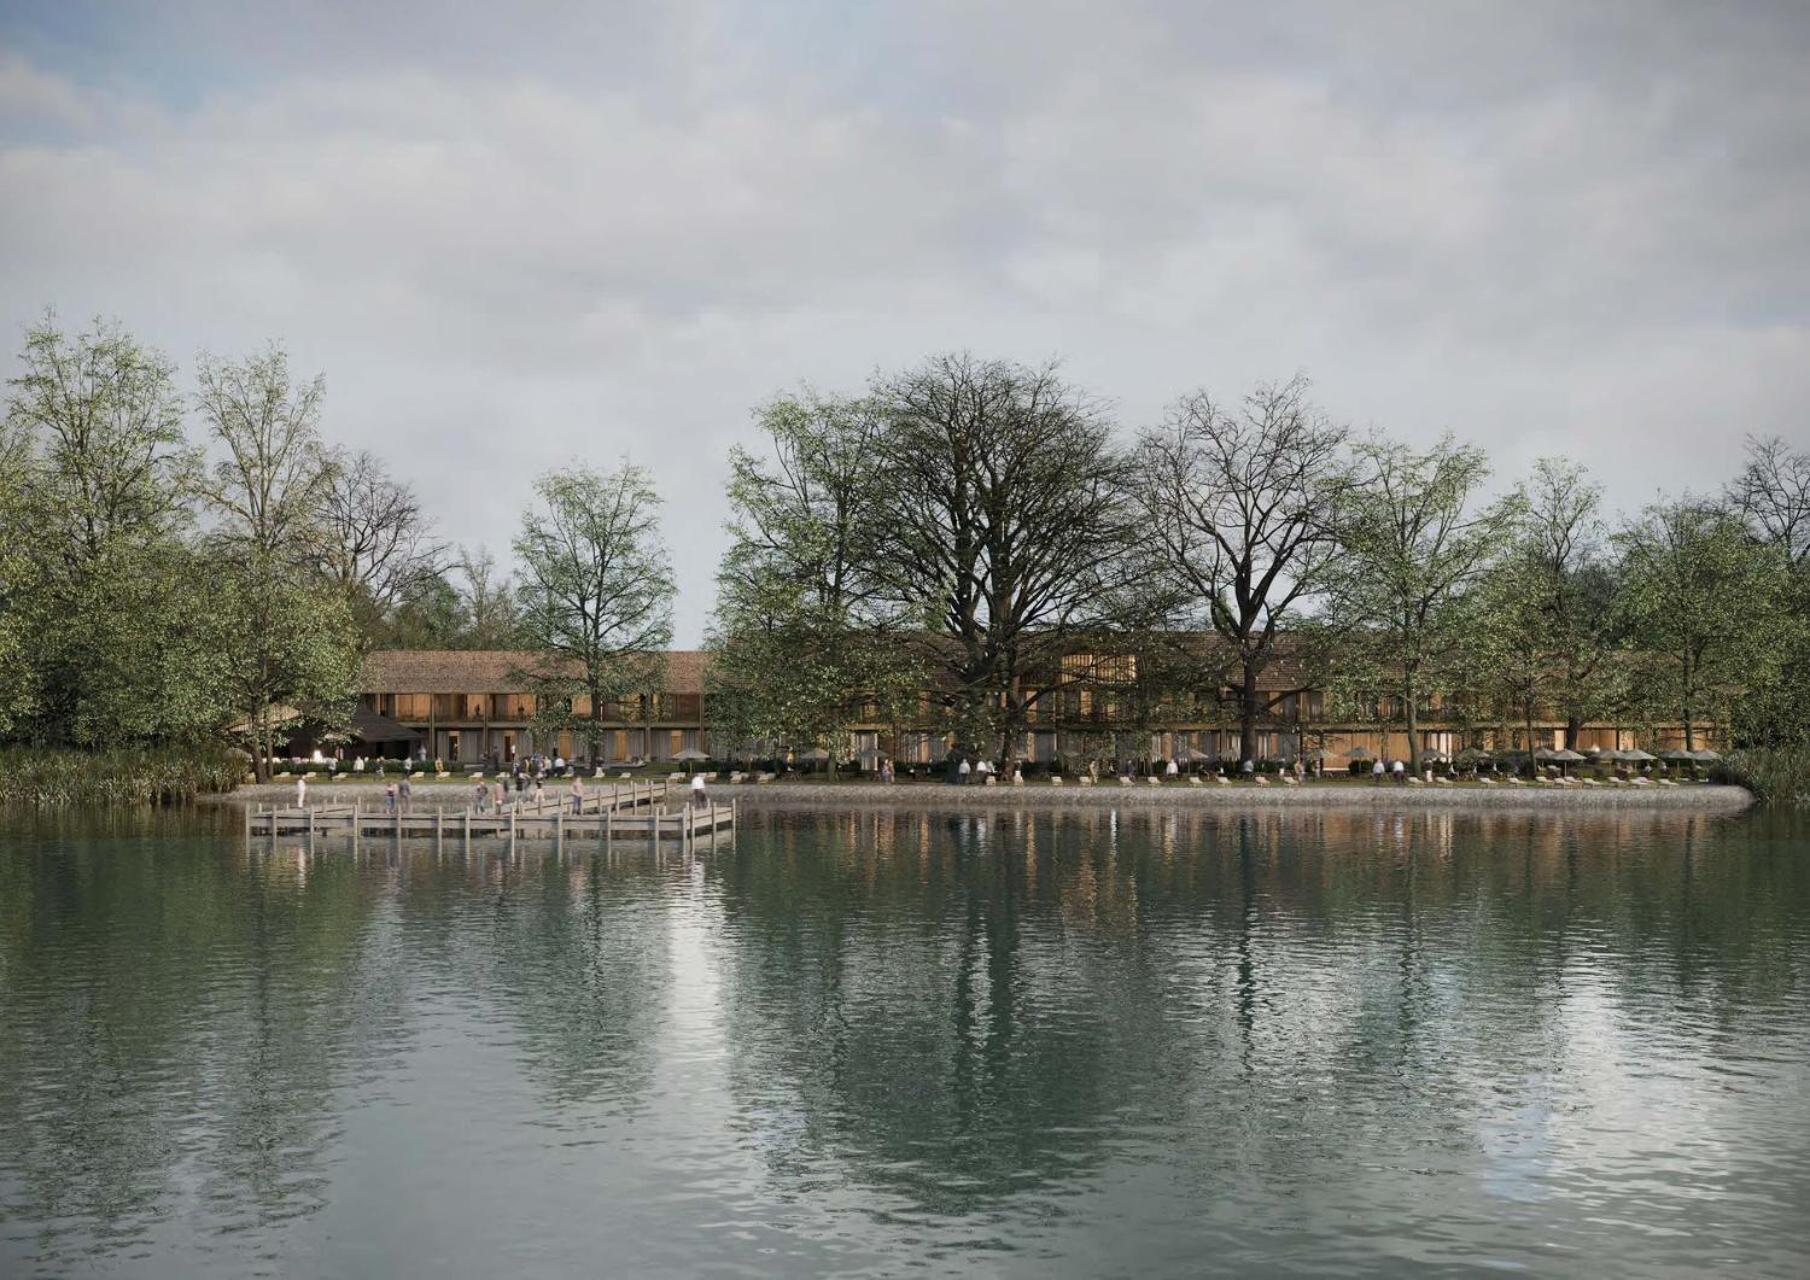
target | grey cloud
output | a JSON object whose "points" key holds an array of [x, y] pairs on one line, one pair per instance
{"points": [[512, 243]]}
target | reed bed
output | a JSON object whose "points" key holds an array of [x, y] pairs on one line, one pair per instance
{"points": [[48, 778], [1775, 775]]}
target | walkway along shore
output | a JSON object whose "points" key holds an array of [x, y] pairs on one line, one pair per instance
{"points": [[1696, 797]]}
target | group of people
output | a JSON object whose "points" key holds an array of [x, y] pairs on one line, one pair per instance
{"points": [[962, 773], [1399, 769]]}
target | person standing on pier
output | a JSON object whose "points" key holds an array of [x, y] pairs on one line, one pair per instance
{"points": [[405, 791], [483, 797], [577, 793], [697, 791], [301, 792], [502, 794], [389, 798]]}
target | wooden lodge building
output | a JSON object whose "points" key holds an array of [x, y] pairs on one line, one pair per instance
{"points": [[472, 706]]}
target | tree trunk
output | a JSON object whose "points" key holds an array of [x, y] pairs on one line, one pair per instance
{"points": [[1574, 729], [1413, 715], [260, 745], [1247, 713], [1685, 689]]}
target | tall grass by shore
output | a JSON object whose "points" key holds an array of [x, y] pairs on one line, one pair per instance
{"points": [[1776, 775], [37, 777]]}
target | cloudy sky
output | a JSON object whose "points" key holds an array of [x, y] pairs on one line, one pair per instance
{"points": [[577, 233]]}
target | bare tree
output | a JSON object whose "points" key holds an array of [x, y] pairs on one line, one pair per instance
{"points": [[1773, 492], [1238, 505], [491, 618], [375, 540], [1004, 501]]}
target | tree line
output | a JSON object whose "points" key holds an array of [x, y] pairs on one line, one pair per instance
{"points": [[178, 565], [982, 530], [965, 544]]}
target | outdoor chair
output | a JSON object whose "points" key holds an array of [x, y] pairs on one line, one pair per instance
{"points": [[1085, 781]]}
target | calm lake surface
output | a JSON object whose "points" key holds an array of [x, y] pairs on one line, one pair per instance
{"points": [[1037, 1045]]}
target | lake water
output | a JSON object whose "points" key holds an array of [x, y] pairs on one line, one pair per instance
{"points": [[1036, 1045]]}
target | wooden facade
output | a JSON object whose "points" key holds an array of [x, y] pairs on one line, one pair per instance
{"points": [[473, 706]]}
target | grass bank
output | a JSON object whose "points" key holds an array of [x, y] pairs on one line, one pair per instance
{"points": [[1776, 775], [42, 777]]}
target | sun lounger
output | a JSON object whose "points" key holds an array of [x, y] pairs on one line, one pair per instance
{"points": [[1085, 781], [1124, 781], [1289, 780], [1155, 781], [1194, 780], [442, 774], [1222, 780], [1056, 780]]}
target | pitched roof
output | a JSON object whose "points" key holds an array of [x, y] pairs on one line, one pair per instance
{"points": [[491, 670]]}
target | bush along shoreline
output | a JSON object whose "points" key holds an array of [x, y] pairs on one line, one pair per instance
{"points": [[50, 777], [1775, 775]]}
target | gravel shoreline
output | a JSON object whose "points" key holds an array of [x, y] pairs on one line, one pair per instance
{"points": [[805, 795]]}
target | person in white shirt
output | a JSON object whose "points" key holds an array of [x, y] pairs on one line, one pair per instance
{"points": [[697, 790]]}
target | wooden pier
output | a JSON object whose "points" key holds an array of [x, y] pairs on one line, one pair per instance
{"points": [[639, 812]]}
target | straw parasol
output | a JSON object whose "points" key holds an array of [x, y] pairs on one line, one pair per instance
{"points": [[1679, 755], [691, 754], [1360, 753], [813, 753], [1705, 755], [1634, 755]]}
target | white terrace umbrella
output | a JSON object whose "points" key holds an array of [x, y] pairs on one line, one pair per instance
{"points": [[692, 753]]}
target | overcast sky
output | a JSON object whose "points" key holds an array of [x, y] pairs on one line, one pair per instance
{"points": [[574, 233]]}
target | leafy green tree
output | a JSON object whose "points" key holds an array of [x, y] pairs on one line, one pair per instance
{"points": [[799, 655], [101, 585], [595, 595], [285, 635], [426, 614], [1415, 540], [1709, 601], [1544, 618], [18, 675]]}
